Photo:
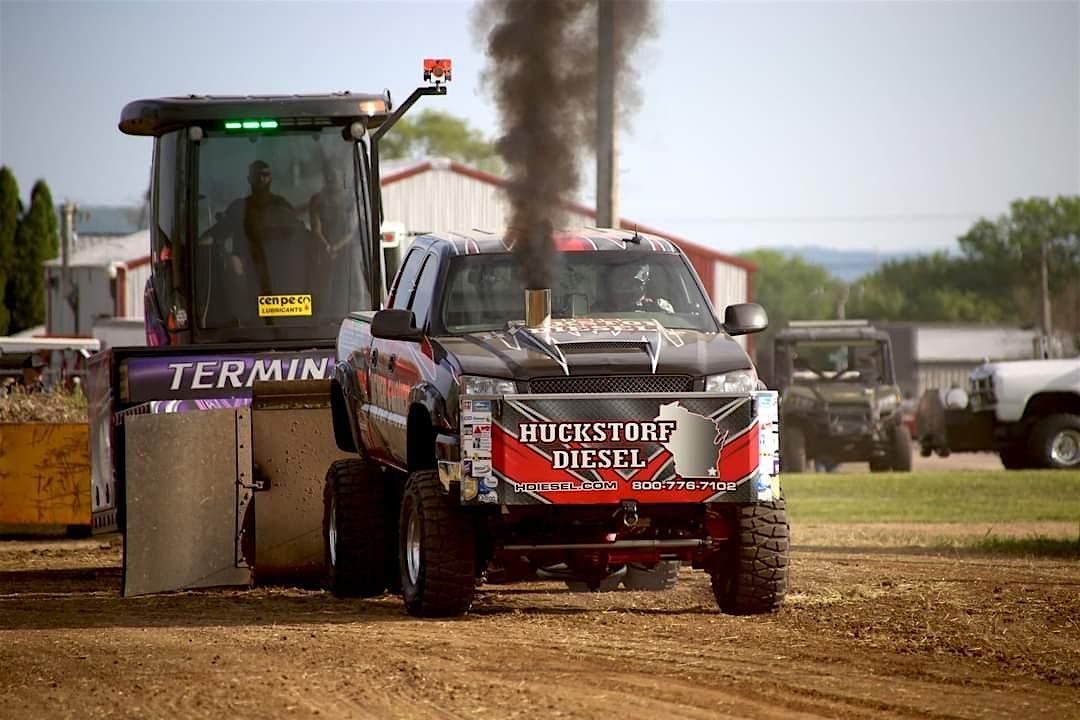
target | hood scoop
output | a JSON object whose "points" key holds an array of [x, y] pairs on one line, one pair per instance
{"points": [[600, 346]]}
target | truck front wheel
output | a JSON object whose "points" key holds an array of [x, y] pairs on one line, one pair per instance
{"points": [[900, 452], [792, 449], [750, 578], [1015, 457], [437, 550], [1055, 442], [354, 529]]}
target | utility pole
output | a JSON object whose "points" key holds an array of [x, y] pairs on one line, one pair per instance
{"points": [[841, 305], [68, 291], [1045, 291], [607, 191]]}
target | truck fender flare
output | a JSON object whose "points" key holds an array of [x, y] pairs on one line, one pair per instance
{"points": [[343, 398]]}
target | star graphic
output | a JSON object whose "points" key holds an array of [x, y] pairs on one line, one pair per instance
{"points": [[712, 471]]}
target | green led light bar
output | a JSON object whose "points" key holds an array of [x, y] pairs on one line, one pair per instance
{"points": [[251, 124]]}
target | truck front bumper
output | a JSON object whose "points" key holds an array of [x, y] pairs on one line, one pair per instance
{"points": [[602, 449]]}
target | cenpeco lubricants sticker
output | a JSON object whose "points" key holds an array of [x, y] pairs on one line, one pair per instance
{"points": [[279, 305]]}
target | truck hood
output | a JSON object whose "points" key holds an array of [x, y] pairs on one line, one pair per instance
{"points": [[1046, 369], [595, 347]]}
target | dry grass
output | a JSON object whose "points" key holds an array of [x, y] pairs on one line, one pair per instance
{"points": [[57, 406]]}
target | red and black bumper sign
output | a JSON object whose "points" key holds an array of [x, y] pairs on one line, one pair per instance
{"points": [[601, 449]]}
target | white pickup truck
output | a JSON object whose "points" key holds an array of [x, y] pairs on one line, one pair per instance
{"points": [[1028, 411]]}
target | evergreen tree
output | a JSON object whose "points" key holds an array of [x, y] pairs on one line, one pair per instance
{"points": [[37, 239], [10, 207]]}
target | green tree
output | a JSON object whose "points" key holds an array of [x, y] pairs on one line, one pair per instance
{"points": [[437, 133], [10, 208], [36, 240], [789, 288], [50, 223], [1008, 255], [925, 288], [994, 279]]}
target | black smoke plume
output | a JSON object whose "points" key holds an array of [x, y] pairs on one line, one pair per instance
{"points": [[542, 57]]}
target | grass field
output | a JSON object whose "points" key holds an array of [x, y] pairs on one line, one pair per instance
{"points": [[1010, 513], [935, 497]]}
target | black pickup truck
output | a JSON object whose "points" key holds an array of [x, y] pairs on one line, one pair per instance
{"points": [[607, 425]]}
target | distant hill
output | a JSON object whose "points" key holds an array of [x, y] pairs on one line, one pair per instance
{"points": [[846, 265]]}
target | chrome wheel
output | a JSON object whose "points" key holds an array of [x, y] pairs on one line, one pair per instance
{"points": [[412, 547], [1065, 447], [332, 533]]}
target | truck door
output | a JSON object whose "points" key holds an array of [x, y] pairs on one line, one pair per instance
{"points": [[406, 361], [385, 415]]}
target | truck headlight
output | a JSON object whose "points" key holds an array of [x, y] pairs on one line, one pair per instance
{"points": [[736, 381], [480, 385], [888, 404]]}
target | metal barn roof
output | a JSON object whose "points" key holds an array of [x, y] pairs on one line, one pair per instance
{"points": [[106, 250], [397, 171]]}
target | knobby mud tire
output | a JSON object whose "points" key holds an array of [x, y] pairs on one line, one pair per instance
{"points": [[657, 579], [751, 578], [445, 582], [354, 529], [792, 449], [900, 450]]}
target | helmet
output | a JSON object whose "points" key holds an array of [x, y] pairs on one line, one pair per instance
{"points": [[623, 285]]}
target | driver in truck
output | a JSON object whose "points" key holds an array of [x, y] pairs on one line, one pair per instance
{"points": [[628, 288], [249, 221]]}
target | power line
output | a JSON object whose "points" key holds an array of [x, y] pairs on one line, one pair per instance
{"points": [[829, 219]]}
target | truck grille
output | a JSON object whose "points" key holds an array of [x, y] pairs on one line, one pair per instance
{"points": [[613, 384], [981, 392], [845, 419]]}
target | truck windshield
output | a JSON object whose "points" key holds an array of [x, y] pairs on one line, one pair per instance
{"points": [[484, 292], [279, 240], [858, 361]]}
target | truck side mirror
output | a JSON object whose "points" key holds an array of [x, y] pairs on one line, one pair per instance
{"points": [[396, 324], [745, 318]]}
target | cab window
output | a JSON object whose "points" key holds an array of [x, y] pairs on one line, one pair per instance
{"points": [[425, 290], [406, 280]]}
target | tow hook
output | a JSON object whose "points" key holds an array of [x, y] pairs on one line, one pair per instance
{"points": [[628, 510]]}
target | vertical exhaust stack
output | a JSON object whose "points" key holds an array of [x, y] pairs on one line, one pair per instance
{"points": [[538, 309]]}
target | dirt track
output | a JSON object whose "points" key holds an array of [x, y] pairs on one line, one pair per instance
{"points": [[866, 632]]}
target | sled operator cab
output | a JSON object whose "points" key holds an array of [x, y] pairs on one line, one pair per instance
{"points": [[265, 213], [265, 217]]}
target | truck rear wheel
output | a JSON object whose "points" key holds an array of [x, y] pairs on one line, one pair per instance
{"points": [[751, 577], [437, 550], [662, 577], [900, 449], [354, 529], [792, 449], [1015, 457], [1055, 442], [600, 585]]}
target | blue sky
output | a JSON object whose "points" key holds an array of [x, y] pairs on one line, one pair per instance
{"points": [[878, 125]]}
